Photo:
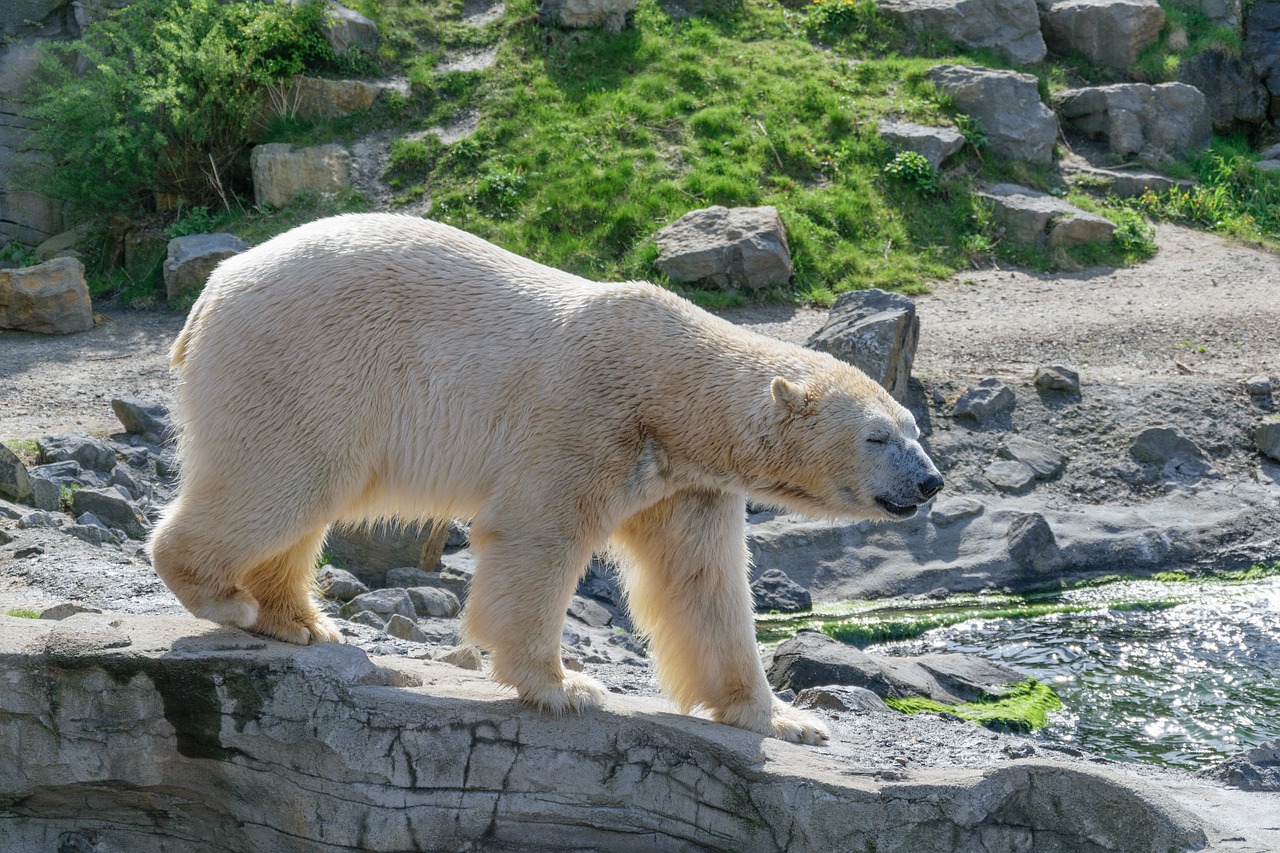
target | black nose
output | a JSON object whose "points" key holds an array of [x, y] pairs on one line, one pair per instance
{"points": [[930, 486]]}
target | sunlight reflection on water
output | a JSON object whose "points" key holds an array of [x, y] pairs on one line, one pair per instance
{"points": [[1183, 685]]}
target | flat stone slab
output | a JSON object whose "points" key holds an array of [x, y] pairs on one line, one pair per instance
{"points": [[153, 733], [935, 144], [1033, 218]]}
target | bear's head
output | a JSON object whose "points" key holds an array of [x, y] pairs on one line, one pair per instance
{"points": [[844, 448]]}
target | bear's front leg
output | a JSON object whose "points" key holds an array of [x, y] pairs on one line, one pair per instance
{"points": [[516, 607], [687, 587]]}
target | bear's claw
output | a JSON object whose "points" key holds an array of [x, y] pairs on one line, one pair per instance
{"points": [[576, 693]]}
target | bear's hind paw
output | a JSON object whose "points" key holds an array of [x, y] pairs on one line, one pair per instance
{"points": [[575, 693], [315, 628], [798, 726]]}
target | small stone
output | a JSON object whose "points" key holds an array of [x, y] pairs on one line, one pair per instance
{"points": [[92, 534], [589, 613], [466, 657], [122, 479], [1009, 476], [433, 601], [1043, 460], [1178, 455], [571, 662], [83, 449], [405, 628], [1267, 437], [951, 510], [149, 420], [37, 519], [1057, 378], [774, 590], [91, 519], [383, 602], [62, 611], [1031, 542], [368, 618], [985, 402], [935, 144], [838, 697], [15, 483], [116, 510], [411, 576], [339, 584]]}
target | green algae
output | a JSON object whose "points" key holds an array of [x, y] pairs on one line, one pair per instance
{"points": [[1022, 708]]}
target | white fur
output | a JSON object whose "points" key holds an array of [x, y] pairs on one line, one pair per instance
{"points": [[385, 366]]}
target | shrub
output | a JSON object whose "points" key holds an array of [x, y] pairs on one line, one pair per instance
{"points": [[167, 100], [913, 169]]}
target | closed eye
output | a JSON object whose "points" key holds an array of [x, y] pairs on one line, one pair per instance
{"points": [[877, 439]]}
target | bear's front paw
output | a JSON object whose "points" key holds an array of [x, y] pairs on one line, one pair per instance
{"points": [[575, 692], [796, 726]]}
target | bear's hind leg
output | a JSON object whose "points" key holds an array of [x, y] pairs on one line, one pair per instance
{"points": [[516, 607], [685, 571], [282, 586]]}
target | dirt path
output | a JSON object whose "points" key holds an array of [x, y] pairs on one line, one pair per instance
{"points": [[1201, 307]]}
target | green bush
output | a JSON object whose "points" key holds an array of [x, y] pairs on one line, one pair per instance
{"points": [[913, 169], [167, 99]]}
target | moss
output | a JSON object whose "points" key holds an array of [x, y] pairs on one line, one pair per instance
{"points": [[1023, 707]]}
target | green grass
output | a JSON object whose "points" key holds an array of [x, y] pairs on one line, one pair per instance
{"points": [[24, 613], [1024, 707]]}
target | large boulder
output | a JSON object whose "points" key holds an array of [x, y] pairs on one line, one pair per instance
{"points": [[345, 28], [613, 15], [729, 248], [1007, 105], [1156, 123], [1109, 33], [1009, 27], [85, 450], [15, 484], [1267, 438], [876, 332], [281, 172], [192, 258], [935, 144], [50, 298], [1262, 47], [1254, 769], [1036, 219], [149, 420], [1238, 96]]}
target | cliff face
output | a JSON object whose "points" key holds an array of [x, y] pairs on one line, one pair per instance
{"points": [[166, 733]]}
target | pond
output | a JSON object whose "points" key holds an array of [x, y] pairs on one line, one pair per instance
{"points": [[1178, 673]]}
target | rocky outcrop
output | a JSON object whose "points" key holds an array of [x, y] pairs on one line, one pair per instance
{"points": [[281, 172], [876, 332], [1036, 219], [1235, 93], [1009, 27], [728, 248], [1007, 105], [1262, 47], [192, 259], [935, 144], [1255, 769], [613, 15], [154, 733], [1156, 123], [51, 298], [1109, 33]]}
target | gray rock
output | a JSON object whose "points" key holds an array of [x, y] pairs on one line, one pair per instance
{"points": [[1009, 27], [1109, 33], [1267, 437], [1044, 461], [1255, 769], [346, 29], [1167, 447], [50, 298], [338, 584], [935, 144], [91, 519], [988, 402], [812, 659], [1262, 46], [589, 612], [405, 628], [1156, 123], [1238, 96], [408, 576], [281, 173], [369, 619], [464, 657], [612, 15], [1007, 105], [1057, 378], [192, 258], [1032, 218], [36, 520], [1031, 542], [15, 483], [90, 533], [773, 590], [1009, 476], [1127, 183], [951, 510], [59, 612], [876, 332], [383, 602], [118, 512], [728, 248], [1267, 165], [89, 452], [121, 477], [433, 601], [371, 552], [49, 481], [837, 697]]}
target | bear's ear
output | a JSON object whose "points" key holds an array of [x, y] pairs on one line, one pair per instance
{"points": [[789, 396]]}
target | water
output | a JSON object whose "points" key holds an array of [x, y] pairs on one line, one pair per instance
{"points": [[1181, 674]]}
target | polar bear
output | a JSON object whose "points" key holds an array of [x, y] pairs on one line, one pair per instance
{"points": [[384, 366]]}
